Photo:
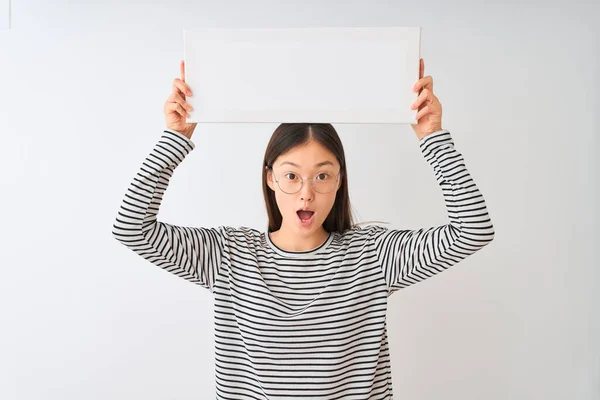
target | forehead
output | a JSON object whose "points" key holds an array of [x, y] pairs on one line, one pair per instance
{"points": [[309, 155]]}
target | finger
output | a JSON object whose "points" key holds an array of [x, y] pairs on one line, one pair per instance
{"points": [[421, 70], [181, 100], [177, 98], [176, 107], [426, 83], [180, 86], [182, 71], [423, 97], [424, 111]]}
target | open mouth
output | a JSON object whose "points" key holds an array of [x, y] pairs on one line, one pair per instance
{"points": [[305, 215]]}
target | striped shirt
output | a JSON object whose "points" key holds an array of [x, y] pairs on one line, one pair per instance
{"points": [[308, 324]]}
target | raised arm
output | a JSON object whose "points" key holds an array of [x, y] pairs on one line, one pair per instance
{"points": [[194, 254], [409, 256]]}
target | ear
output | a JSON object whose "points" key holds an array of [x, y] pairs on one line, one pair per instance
{"points": [[270, 178]]}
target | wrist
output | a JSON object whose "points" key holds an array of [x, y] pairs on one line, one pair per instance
{"points": [[422, 135]]}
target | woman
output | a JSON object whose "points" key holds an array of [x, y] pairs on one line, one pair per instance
{"points": [[300, 310]]}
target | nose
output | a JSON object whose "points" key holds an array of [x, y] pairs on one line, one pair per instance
{"points": [[307, 191]]}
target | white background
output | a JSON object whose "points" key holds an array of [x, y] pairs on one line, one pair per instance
{"points": [[4, 14], [82, 90]]}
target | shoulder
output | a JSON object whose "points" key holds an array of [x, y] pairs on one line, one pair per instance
{"points": [[362, 233], [241, 235], [240, 232]]}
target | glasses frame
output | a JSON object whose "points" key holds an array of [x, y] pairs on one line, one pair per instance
{"points": [[312, 182]]}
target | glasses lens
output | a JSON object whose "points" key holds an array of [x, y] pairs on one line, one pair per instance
{"points": [[290, 186], [290, 182], [324, 182]]}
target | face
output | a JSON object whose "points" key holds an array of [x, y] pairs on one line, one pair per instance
{"points": [[310, 160]]}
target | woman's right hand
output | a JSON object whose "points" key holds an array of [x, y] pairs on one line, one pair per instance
{"points": [[176, 108]]}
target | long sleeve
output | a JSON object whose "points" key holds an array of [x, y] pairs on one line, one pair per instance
{"points": [[409, 256], [194, 254]]}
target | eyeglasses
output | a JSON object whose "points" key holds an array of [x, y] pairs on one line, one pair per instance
{"points": [[323, 182]]}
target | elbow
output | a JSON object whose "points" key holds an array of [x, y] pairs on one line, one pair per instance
{"points": [[115, 234], [490, 234], [482, 237], [491, 237], [118, 231]]}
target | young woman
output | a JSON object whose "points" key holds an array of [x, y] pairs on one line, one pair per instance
{"points": [[300, 310]]}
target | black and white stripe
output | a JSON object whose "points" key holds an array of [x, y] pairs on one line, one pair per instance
{"points": [[302, 324]]}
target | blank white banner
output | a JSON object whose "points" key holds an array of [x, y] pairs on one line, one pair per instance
{"points": [[335, 75]]}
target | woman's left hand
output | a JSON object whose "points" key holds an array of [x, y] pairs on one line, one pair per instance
{"points": [[429, 117]]}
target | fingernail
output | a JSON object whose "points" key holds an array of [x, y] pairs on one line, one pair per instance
{"points": [[189, 92]]}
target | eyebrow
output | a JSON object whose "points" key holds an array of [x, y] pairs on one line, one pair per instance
{"points": [[316, 165]]}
